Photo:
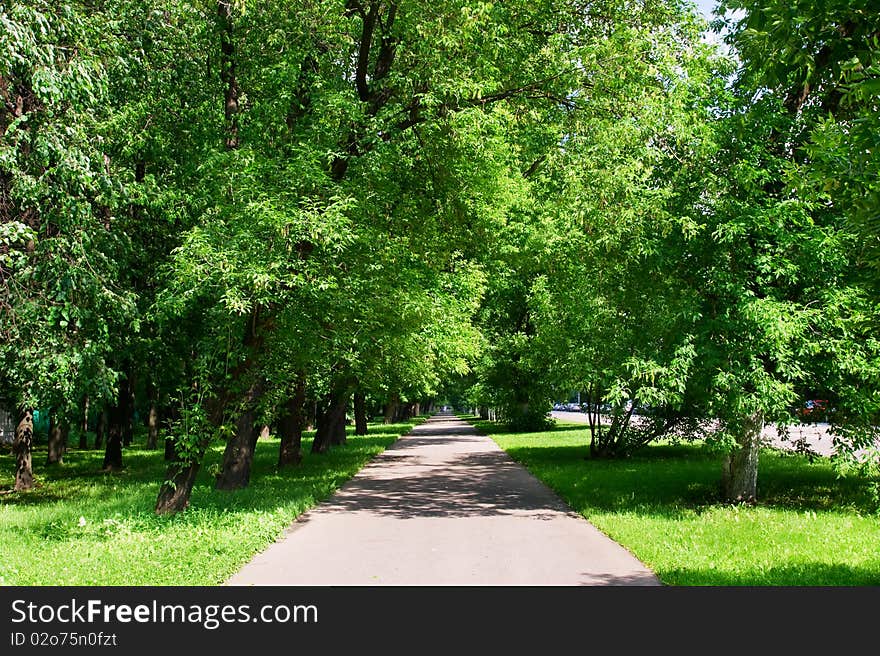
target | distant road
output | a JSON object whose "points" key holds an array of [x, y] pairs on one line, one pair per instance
{"points": [[816, 435]]}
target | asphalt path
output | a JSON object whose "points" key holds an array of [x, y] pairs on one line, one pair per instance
{"points": [[443, 506]]}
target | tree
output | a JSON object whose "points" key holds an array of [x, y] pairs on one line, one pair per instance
{"points": [[775, 265], [334, 138], [22, 445], [584, 303], [58, 239]]}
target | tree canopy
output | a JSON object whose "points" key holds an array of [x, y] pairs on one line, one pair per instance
{"points": [[236, 214]]}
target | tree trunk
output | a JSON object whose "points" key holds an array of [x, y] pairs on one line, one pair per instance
{"points": [[239, 453], [171, 416], [176, 489], [101, 429], [84, 427], [127, 410], [290, 426], [153, 427], [113, 450], [484, 412], [404, 412], [170, 451], [739, 474], [338, 435], [55, 455], [391, 408], [312, 419], [116, 419], [228, 74], [331, 422], [22, 447], [360, 414], [323, 428]]}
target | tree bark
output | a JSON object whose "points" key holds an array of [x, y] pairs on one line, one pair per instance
{"points": [[391, 408], [113, 450], [290, 426], [84, 426], [127, 410], [360, 413], [175, 491], [22, 447], [228, 73], [170, 417], [331, 417], [312, 419], [177, 488], [117, 417], [239, 453], [739, 475], [337, 434], [323, 421], [55, 455], [153, 427], [101, 429]]}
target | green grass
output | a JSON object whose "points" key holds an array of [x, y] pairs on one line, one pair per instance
{"points": [[809, 528], [81, 526]]}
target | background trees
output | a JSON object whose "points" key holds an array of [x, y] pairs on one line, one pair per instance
{"points": [[64, 242]]}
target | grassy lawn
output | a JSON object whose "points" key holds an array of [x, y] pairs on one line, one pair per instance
{"points": [[809, 528], [84, 527]]}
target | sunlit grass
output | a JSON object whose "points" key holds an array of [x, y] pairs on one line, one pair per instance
{"points": [[809, 528], [84, 527]]}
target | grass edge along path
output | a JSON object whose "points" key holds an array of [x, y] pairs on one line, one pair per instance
{"points": [[80, 526], [809, 527]]}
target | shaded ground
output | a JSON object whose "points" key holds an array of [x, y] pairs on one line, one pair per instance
{"points": [[444, 506]]}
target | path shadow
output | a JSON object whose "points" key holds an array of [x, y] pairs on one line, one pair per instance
{"points": [[482, 484]]}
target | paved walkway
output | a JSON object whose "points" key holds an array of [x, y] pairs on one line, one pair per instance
{"points": [[443, 506]]}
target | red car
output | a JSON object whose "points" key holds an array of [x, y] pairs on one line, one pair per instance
{"points": [[814, 409]]}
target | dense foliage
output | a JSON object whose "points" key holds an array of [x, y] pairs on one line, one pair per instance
{"points": [[217, 216]]}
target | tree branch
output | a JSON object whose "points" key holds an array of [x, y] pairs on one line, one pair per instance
{"points": [[360, 76]]}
